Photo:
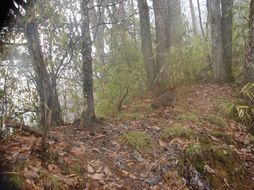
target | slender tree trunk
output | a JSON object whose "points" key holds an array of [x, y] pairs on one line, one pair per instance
{"points": [[249, 63], [98, 17], [227, 20], [200, 19], [161, 39], [45, 88], [208, 18], [146, 41], [193, 18], [88, 114]]}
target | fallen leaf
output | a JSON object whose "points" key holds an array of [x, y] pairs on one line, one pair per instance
{"points": [[78, 151], [97, 176], [209, 170], [107, 171], [90, 169]]}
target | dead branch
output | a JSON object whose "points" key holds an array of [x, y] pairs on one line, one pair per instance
{"points": [[23, 127]]}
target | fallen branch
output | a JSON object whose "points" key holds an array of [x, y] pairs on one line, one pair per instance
{"points": [[23, 127]]}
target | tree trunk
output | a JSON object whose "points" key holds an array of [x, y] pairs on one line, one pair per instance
{"points": [[200, 19], [208, 18], [227, 20], [249, 63], [218, 54], [193, 18], [146, 41], [46, 90], [98, 17], [161, 39], [88, 114], [173, 21]]}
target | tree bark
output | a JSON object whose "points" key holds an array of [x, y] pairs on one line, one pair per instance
{"points": [[88, 114], [193, 18], [161, 39], [173, 21], [227, 21], [98, 17], [249, 63], [146, 41], [45, 88], [221, 34], [200, 19]]}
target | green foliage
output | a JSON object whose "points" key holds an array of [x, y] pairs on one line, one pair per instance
{"points": [[15, 181], [140, 141], [50, 181], [224, 161], [140, 108], [77, 169], [130, 116], [178, 131], [240, 34], [124, 70], [222, 136], [241, 110], [188, 117], [216, 120], [1, 93], [188, 61]]}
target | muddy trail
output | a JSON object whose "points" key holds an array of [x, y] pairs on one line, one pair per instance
{"points": [[190, 146]]}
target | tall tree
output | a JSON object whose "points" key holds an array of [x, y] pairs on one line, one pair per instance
{"points": [[97, 17], [46, 87], [200, 19], [249, 63], [193, 18], [146, 41], [86, 50], [161, 39], [173, 21], [227, 21], [221, 33]]}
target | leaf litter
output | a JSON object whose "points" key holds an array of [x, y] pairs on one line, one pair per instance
{"points": [[85, 158]]}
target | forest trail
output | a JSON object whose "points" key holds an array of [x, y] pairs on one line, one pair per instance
{"points": [[96, 158]]}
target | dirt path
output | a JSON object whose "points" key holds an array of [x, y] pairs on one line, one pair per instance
{"points": [[95, 159]]}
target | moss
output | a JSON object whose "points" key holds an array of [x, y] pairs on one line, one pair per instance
{"points": [[21, 164], [172, 179], [140, 141], [15, 182], [193, 153], [222, 136], [50, 181], [223, 160], [250, 138], [176, 131], [76, 168], [216, 120], [130, 116], [188, 117], [142, 108]]}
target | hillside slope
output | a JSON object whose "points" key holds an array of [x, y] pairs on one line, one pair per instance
{"points": [[191, 146]]}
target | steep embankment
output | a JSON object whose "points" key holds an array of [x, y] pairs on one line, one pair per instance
{"points": [[142, 148]]}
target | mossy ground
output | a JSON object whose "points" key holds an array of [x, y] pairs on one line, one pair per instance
{"points": [[140, 141], [178, 131], [141, 144], [217, 120], [224, 161], [50, 181], [188, 117]]}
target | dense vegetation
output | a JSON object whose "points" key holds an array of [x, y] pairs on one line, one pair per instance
{"points": [[107, 62]]}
